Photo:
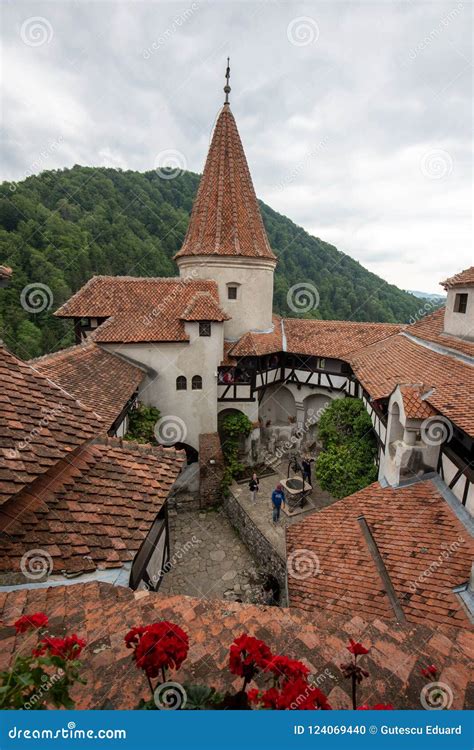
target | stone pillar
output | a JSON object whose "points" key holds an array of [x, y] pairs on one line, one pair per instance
{"points": [[211, 469]]}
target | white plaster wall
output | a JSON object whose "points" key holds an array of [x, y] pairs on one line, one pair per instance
{"points": [[459, 324], [201, 356], [252, 310]]}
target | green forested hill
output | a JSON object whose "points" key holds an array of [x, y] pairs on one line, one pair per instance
{"points": [[61, 227]]}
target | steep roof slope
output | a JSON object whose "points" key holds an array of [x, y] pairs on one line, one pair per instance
{"points": [[412, 526], [143, 309], [91, 511], [98, 378], [41, 423], [226, 219]]}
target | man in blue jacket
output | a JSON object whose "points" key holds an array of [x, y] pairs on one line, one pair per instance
{"points": [[278, 499]]}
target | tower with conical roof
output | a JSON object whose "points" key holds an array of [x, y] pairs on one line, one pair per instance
{"points": [[226, 239]]}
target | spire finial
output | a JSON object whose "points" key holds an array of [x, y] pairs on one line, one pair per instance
{"points": [[227, 87]]}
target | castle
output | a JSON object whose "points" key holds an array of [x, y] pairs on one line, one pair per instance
{"points": [[82, 509], [208, 344]]}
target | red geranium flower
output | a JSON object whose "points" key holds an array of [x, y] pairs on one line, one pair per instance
{"points": [[158, 646], [247, 655], [295, 695], [357, 648], [68, 648], [28, 622], [430, 671], [288, 669]]}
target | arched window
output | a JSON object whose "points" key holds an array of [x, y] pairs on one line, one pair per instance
{"points": [[196, 383], [181, 383]]}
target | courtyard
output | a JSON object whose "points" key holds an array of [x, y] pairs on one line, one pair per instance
{"points": [[209, 557]]}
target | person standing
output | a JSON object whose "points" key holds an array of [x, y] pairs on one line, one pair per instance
{"points": [[306, 464], [278, 499], [253, 487]]}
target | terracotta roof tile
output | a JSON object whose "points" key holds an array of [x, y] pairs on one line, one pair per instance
{"points": [[102, 614], [98, 378], [225, 219], [92, 510], [257, 344], [203, 306], [430, 328], [414, 402], [463, 278], [382, 366], [141, 309], [411, 526], [40, 424], [333, 338]]}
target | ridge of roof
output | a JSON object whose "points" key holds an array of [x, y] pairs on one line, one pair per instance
{"points": [[463, 278]]}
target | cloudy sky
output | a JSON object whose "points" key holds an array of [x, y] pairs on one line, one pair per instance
{"points": [[355, 117]]}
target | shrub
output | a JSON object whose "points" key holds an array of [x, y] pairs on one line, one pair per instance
{"points": [[142, 422], [347, 461]]}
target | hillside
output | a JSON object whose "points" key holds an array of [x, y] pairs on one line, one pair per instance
{"points": [[59, 228]]}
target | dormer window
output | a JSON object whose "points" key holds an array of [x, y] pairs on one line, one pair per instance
{"points": [[460, 303], [205, 328]]}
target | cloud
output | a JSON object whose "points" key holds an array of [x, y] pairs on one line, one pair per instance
{"points": [[355, 117]]}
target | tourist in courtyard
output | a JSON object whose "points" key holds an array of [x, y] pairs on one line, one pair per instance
{"points": [[306, 464], [254, 487], [278, 499]]}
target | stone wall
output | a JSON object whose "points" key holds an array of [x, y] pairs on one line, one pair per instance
{"points": [[211, 469], [260, 548]]}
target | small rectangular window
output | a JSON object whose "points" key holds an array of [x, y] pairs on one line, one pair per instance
{"points": [[204, 328], [460, 303], [232, 292], [322, 364]]}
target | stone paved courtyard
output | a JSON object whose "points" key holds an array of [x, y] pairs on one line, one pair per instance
{"points": [[209, 560], [261, 511]]}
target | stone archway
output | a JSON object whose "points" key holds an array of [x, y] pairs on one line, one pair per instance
{"points": [[277, 407], [313, 405]]}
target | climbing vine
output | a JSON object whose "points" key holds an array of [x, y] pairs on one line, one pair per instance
{"points": [[234, 427]]}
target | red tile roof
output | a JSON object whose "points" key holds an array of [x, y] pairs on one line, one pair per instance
{"points": [[225, 219], [414, 402], [101, 380], [40, 424], [463, 278], [141, 309], [430, 328], [257, 344], [382, 366], [412, 526], [93, 510], [102, 614], [333, 338], [5, 272], [203, 306]]}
